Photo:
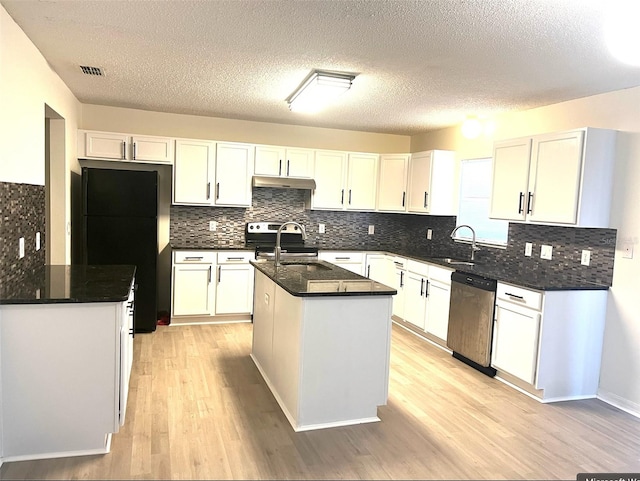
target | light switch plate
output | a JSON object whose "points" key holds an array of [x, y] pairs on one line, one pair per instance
{"points": [[371, 229], [213, 225], [21, 247], [37, 241], [585, 259], [429, 234], [528, 249], [545, 252], [321, 228]]}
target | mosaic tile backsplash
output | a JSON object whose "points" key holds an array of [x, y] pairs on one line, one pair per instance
{"points": [[398, 233], [22, 214]]}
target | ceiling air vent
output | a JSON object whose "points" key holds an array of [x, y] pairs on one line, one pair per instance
{"points": [[97, 71]]}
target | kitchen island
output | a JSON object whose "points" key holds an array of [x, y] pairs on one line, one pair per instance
{"points": [[66, 352], [321, 340]]}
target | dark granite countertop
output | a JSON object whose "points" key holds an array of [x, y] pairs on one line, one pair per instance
{"points": [[191, 247], [320, 278], [54, 284]]}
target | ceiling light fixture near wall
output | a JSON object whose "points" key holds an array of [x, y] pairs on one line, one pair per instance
{"points": [[471, 128], [318, 90], [621, 32]]}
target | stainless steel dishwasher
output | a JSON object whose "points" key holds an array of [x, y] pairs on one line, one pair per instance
{"points": [[470, 331]]}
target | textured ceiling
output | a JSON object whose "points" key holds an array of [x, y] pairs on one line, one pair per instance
{"points": [[421, 65]]}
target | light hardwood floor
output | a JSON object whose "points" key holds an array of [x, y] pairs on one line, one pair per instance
{"points": [[198, 409]]}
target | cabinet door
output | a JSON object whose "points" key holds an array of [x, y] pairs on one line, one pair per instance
{"points": [[191, 290], [398, 299], [437, 321], [234, 168], [414, 299], [419, 182], [515, 341], [509, 186], [234, 289], [556, 168], [392, 188], [362, 180], [269, 160], [263, 322], [192, 172], [103, 145], [380, 268], [152, 149], [329, 168], [299, 163]]}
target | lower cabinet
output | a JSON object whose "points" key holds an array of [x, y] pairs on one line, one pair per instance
{"points": [[415, 293], [399, 285], [351, 261], [211, 283]]}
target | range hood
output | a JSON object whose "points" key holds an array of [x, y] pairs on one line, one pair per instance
{"points": [[283, 182]]}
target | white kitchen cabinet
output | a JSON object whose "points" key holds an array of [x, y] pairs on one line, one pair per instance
{"points": [[380, 268], [192, 282], [283, 161], [352, 261], [234, 169], [122, 146], [438, 297], [415, 299], [193, 172], [345, 181], [561, 178], [234, 283], [399, 285], [431, 183], [392, 186], [549, 343]]}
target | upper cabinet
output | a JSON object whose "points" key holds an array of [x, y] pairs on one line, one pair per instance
{"points": [[283, 162], [560, 178], [116, 146], [234, 169], [392, 185], [345, 181], [193, 172], [431, 182]]}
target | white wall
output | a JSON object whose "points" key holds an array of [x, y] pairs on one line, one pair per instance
{"points": [[27, 83], [620, 111]]}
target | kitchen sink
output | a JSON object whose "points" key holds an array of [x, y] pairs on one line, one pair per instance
{"points": [[456, 262], [305, 266]]}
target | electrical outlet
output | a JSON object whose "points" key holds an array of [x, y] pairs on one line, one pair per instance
{"points": [[21, 247], [213, 225], [528, 249], [37, 241], [321, 228], [429, 234], [627, 250], [585, 259], [371, 229], [545, 252]]}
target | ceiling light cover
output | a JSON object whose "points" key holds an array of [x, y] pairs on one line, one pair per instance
{"points": [[471, 128], [622, 34], [318, 90]]}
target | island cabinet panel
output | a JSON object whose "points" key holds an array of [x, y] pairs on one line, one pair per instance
{"points": [[263, 315]]}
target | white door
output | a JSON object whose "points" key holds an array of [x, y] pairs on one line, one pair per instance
{"points": [[509, 189], [234, 289], [515, 341], [419, 181], [362, 181], [104, 145], [392, 188], [191, 290], [192, 172], [556, 169], [398, 299], [152, 149], [437, 321], [328, 171], [299, 163], [234, 168], [269, 160], [414, 299]]}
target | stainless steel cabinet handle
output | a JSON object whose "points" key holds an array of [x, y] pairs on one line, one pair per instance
{"points": [[421, 287], [368, 270], [404, 194], [342, 197], [349, 196], [343, 258], [219, 273], [425, 199], [530, 203], [209, 275], [218, 190], [515, 297], [401, 279], [124, 150], [208, 190], [426, 288], [134, 151], [238, 258], [280, 167], [520, 203], [194, 258], [288, 161]]}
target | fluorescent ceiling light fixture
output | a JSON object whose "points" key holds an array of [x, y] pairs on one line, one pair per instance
{"points": [[622, 33], [318, 90]]}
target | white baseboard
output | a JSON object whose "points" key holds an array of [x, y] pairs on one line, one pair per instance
{"points": [[200, 323], [619, 402], [62, 454]]}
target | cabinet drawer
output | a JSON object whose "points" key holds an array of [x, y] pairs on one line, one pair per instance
{"points": [[442, 274], [338, 257], [418, 268], [194, 257], [235, 257], [519, 295]]}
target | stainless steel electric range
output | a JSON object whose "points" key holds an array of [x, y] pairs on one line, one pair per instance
{"points": [[262, 237]]}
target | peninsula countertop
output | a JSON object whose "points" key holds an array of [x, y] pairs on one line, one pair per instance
{"points": [[320, 278], [53, 284]]}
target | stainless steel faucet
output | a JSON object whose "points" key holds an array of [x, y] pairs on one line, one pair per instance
{"points": [[474, 248], [277, 249]]}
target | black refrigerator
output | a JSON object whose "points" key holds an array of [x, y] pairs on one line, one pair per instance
{"points": [[120, 210]]}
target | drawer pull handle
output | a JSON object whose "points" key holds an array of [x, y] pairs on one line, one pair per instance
{"points": [[235, 258], [193, 258], [515, 297], [343, 258]]}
